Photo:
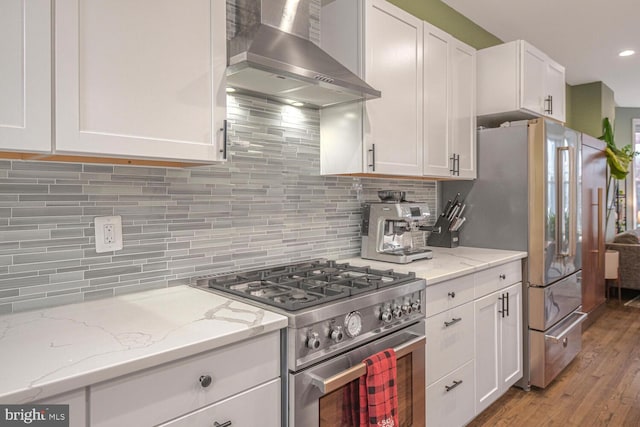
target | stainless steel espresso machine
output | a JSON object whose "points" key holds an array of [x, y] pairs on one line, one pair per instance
{"points": [[394, 231]]}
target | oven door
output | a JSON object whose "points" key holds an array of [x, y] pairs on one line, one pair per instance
{"points": [[316, 394]]}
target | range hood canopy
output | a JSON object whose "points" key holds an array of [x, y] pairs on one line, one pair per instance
{"points": [[270, 54]]}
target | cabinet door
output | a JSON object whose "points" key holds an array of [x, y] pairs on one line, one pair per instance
{"points": [[463, 108], [437, 149], [487, 347], [25, 70], [393, 65], [511, 337], [555, 89], [534, 69], [141, 78], [77, 406]]}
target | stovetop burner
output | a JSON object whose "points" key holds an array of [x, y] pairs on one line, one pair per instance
{"points": [[297, 286]]}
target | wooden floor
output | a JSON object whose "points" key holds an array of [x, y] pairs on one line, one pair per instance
{"points": [[601, 387]]}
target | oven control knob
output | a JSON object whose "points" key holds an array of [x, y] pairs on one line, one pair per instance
{"points": [[406, 309], [336, 334], [386, 316], [397, 312], [415, 306], [313, 341]]}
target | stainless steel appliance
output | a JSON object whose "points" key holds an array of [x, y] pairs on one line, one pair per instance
{"points": [[338, 314], [395, 232], [527, 197], [270, 54]]}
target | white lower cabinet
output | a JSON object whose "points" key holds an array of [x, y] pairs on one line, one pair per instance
{"points": [[450, 400], [498, 344], [177, 389], [259, 406], [474, 342], [77, 401]]}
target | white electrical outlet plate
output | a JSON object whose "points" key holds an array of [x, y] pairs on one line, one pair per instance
{"points": [[108, 233]]}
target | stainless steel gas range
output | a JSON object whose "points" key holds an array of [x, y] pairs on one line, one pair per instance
{"points": [[339, 314]]}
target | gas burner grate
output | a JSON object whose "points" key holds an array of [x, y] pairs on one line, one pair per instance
{"points": [[298, 286]]}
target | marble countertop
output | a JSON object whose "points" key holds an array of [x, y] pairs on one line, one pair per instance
{"points": [[55, 350], [447, 263]]}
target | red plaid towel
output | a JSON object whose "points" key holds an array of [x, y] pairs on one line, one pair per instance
{"points": [[379, 392]]}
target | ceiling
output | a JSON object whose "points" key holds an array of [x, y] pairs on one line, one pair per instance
{"points": [[583, 35]]}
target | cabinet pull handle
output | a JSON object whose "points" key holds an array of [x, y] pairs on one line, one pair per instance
{"points": [[455, 384], [457, 167], [372, 150], [549, 101], [453, 165], [452, 294], [503, 276], [453, 322], [205, 381], [507, 304], [501, 311], [223, 129], [224, 424]]}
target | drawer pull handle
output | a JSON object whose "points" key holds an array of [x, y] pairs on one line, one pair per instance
{"points": [[453, 322], [205, 381], [452, 294], [503, 276], [225, 424], [451, 387]]}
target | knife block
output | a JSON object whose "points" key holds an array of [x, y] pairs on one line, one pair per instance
{"points": [[441, 236]]}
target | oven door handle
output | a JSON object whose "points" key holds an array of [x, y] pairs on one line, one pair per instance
{"points": [[327, 385]]}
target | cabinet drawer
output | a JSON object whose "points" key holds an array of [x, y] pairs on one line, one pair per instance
{"points": [[449, 294], [259, 406], [161, 393], [496, 278], [449, 404], [449, 341]]}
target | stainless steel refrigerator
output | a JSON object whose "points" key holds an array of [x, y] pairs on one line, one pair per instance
{"points": [[527, 198]]}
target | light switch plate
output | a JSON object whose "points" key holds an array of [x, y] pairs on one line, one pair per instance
{"points": [[108, 233]]}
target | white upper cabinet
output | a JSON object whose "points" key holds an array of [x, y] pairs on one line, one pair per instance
{"points": [[141, 79], [449, 106], [517, 81], [393, 65], [25, 75], [424, 123]]}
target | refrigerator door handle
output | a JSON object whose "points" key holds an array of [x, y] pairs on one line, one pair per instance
{"points": [[560, 196], [573, 202]]}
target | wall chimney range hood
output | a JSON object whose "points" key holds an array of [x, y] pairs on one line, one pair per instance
{"points": [[269, 53]]}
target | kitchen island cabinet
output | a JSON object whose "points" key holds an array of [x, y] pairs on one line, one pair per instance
{"points": [[518, 81], [77, 406]]}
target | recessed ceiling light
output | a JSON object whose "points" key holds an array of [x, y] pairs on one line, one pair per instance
{"points": [[626, 53], [297, 104], [231, 90]]}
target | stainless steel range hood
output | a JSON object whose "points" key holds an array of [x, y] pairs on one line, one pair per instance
{"points": [[270, 54]]}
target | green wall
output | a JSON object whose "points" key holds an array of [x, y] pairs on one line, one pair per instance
{"points": [[623, 133], [447, 19], [587, 105]]}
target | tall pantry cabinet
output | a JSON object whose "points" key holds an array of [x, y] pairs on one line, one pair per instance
{"points": [[594, 169]]}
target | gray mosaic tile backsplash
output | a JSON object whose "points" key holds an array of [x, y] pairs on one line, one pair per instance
{"points": [[267, 205]]}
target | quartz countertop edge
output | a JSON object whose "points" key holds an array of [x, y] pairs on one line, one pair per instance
{"points": [[447, 263], [56, 350]]}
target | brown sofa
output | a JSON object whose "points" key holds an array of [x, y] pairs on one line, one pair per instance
{"points": [[628, 245]]}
